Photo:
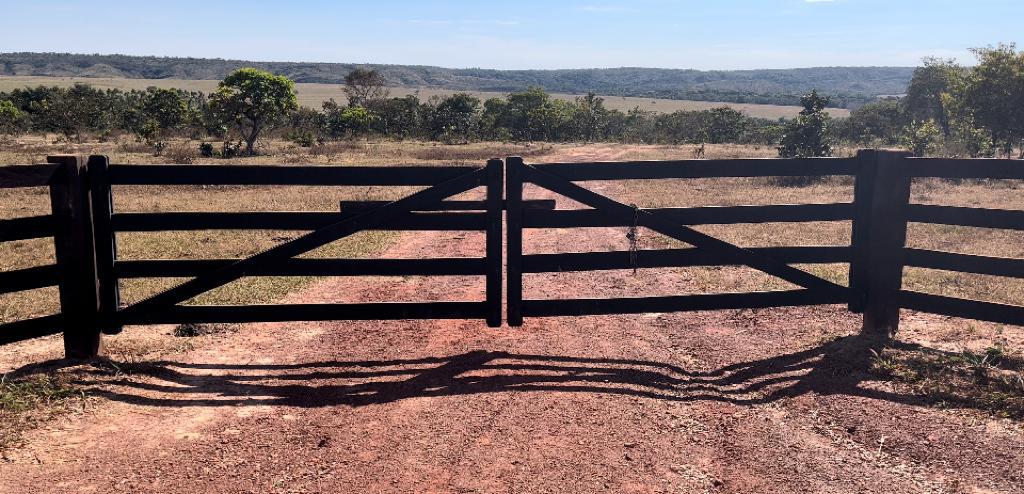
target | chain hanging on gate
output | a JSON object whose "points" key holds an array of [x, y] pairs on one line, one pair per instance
{"points": [[633, 235]]}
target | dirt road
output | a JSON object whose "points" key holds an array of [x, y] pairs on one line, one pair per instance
{"points": [[735, 401]]}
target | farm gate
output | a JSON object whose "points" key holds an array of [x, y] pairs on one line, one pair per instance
{"points": [[84, 225]]}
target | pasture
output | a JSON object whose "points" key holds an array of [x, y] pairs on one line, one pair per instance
{"points": [[312, 95]]}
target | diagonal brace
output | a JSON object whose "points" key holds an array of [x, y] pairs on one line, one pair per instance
{"points": [[679, 232], [308, 242]]}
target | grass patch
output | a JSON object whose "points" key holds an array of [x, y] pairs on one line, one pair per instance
{"points": [[991, 381], [29, 400]]}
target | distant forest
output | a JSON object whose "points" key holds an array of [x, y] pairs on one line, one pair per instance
{"points": [[846, 87]]}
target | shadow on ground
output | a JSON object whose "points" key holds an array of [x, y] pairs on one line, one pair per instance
{"points": [[838, 367]]}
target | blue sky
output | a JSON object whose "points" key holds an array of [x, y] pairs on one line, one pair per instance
{"points": [[702, 34]]}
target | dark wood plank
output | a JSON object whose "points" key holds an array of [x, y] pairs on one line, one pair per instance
{"points": [[74, 248], [105, 241], [682, 233], [958, 307], [715, 215], [514, 242], [964, 263], [632, 170], [547, 204], [495, 264], [289, 220], [26, 228], [860, 235], [179, 268], [27, 329], [307, 312], [964, 168], [594, 261], [593, 307], [886, 237], [305, 243], [960, 216], [21, 176], [284, 175], [17, 280]]}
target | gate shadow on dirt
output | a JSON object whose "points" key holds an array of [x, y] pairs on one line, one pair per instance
{"points": [[839, 367]]}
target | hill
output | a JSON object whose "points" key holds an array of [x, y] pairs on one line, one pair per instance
{"points": [[848, 86]]}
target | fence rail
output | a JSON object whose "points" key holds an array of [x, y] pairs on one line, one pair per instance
{"points": [[84, 225]]}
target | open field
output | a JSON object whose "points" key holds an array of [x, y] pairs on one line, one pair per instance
{"points": [[780, 400], [312, 95]]}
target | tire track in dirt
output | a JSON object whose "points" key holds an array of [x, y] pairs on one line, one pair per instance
{"points": [[731, 401]]}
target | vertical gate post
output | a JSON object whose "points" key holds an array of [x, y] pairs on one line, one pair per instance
{"points": [[514, 244], [76, 260], [878, 244], [495, 177], [105, 243]]}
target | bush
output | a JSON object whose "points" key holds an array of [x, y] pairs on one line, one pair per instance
{"points": [[922, 138], [206, 150]]}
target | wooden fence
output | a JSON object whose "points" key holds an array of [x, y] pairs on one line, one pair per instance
{"points": [[84, 226]]}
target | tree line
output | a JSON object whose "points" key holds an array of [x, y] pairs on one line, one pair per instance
{"points": [[948, 109], [251, 104]]}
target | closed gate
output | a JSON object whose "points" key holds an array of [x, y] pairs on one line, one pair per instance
{"points": [[673, 223], [84, 224]]}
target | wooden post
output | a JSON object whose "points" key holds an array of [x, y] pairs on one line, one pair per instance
{"points": [[863, 194], [495, 177], [76, 260], [878, 248], [105, 243], [514, 244]]}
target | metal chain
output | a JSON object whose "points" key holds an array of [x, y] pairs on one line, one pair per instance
{"points": [[633, 235]]}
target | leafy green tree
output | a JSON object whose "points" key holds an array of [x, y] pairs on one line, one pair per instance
{"points": [[922, 137], [399, 118], [454, 118], [924, 99], [254, 100], [348, 121], [807, 135], [10, 117], [990, 95], [878, 122], [590, 117], [723, 124], [168, 107], [364, 87]]}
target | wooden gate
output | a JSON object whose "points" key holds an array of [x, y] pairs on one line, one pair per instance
{"points": [[673, 223]]}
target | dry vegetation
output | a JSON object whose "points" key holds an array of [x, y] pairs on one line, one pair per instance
{"points": [[312, 95]]}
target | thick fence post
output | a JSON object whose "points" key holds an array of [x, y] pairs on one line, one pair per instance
{"points": [[879, 237], [495, 178], [514, 243], [105, 243], [76, 260]]}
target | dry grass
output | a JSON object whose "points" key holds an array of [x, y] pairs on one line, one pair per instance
{"points": [[992, 380], [313, 95]]}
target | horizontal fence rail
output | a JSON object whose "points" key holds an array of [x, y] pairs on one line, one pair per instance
{"points": [[285, 175], [645, 170], [711, 215]]}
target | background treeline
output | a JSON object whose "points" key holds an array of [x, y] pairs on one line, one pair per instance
{"points": [[154, 115], [948, 110], [847, 87]]}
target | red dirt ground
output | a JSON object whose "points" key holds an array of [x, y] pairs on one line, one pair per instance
{"points": [[733, 402]]}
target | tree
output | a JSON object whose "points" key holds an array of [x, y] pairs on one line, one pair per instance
{"points": [[807, 135], [365, 87], [454, 118], [255, 101], [881, 121], [924, 94], [10, 117], [990, 96]]}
